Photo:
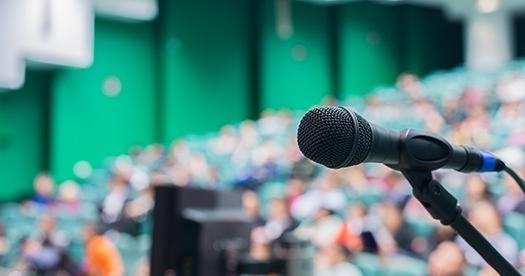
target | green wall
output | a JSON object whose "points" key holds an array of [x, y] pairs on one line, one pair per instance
{"points": [[295, 71], [205, 65], [378, 42], [22, 135], [369, 46], [88, 125], [429, 41]]}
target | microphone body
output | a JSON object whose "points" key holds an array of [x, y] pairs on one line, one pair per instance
{"points": [[338, 137]]}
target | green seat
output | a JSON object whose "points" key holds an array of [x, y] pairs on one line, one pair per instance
{"points": [[76, 250], [369, 264], [371, 196], [72, 227], [271, 190], [514, 225], [421, 228], [405, 266]]}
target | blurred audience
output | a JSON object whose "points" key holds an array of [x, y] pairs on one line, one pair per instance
{"points": [[334, 260], [252, 207], [44, 186], [363, 231], [323, 228], [400, 231], [5, 245], [69, 197], [512, 197], [45, 252], [139, 207], [476, 191], [279, 221], [117, 209], [260, 248], [484, 216], [446, 260], [366, 209], [326, 193], [296, 187]]}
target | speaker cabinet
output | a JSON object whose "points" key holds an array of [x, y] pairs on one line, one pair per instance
{"points": [[189, 226]]}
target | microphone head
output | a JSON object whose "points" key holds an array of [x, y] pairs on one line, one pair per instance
{"points": [[334, 136]]}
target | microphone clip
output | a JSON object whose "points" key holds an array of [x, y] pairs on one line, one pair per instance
{"points": [[441, 205], [423, 150]]}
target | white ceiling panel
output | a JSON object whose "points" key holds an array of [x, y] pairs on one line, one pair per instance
{"points": [[59, 32], [12, 66]]}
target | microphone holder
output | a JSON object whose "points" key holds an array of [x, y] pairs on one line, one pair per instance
{"points": [[444, 207]]}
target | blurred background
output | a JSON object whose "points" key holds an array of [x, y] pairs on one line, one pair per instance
{"points": [[104, 101]]}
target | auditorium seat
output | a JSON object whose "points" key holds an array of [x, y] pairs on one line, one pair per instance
{"points": [[514, 225]]}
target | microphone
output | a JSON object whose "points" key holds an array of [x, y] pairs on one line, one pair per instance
{"points": [[337, 137]]}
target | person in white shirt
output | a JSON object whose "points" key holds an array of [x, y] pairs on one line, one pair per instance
{"points": [[325, 194], [333, 260]]}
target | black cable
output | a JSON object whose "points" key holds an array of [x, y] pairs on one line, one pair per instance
{"points": [[516, 177]]}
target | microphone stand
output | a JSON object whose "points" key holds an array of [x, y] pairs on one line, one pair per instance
{"points": [[444, 207]]}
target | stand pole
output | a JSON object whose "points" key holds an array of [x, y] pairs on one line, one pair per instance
{"points": [[444, 207], [474, 238]]}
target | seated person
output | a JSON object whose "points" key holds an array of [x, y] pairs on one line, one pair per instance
{"points": [[326, 193], [5, 244], [322, 230], [400, 231], [446, 260], [279, 221], [45, 252], [486, 219], [334, 260], [115, 214], [44, 186], [102, 257], [251, 207], [69, 197], [362, 231]]}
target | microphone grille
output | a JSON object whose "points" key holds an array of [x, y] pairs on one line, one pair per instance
{"points": [[326, 136]]}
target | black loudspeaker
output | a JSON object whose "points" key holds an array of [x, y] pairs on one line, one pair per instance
{"points": [[205, 235], [189, 226], [195, 197]]}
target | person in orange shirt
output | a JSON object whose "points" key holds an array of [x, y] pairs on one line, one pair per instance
{"points": [[350, 233], [102, 257]]}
